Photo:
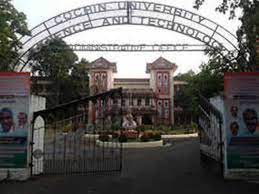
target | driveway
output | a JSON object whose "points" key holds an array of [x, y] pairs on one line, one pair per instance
{"points": [[171, 169]]}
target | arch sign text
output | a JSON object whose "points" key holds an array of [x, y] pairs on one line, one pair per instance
{"points": [[130, 13]]}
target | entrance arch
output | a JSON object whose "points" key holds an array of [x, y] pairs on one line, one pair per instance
{"points": [[129, 13]]}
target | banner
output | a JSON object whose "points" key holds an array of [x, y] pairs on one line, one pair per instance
{"points": [[14, 121], [242, 120]]}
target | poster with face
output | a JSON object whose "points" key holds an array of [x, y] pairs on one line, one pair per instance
{"points": [[14, 123], [13, 119], [242, 120]]}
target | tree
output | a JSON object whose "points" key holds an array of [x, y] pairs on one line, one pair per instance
{"points": [[229, 6], [245, 60], [54, 60], [12, 24], [248, 33], [182, 97], [207, 82], [184, 76], [79, 80]]}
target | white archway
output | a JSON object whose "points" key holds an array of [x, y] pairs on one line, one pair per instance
{"points": [[129, 13]]}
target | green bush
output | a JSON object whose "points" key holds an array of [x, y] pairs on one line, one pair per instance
{"points": [[144, 137], [194, 127], [164, 128], [116, 123], [150, 135], [123, 138], [145, 127], [156, 136], [67, 128], [115, 134], [104, 137], [172, 128]]}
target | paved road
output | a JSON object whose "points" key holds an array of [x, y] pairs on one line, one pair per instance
{"points": [[175, 169]]}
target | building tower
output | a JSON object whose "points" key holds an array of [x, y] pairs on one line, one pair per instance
{"points": [[101, 79], [162, 83], [101, 75]]}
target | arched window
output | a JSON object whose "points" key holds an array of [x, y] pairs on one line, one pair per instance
{"points": [[159, 82], [166, 83], [159, 108], [104, 81], [163, 82]]}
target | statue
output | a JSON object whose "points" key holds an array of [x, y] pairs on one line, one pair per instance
{"points": [[128, 122]]}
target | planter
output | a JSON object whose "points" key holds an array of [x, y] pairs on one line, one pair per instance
{"points": [[150, 144]]}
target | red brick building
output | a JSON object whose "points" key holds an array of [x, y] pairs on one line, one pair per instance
{"points": [[149, 100]]}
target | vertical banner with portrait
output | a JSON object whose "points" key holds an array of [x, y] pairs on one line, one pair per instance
{"points": [[241, 92], [14, 125]]}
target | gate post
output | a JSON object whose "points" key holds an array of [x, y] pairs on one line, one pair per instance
{"points": [[121, 112], [31, 145], [221, 147]]}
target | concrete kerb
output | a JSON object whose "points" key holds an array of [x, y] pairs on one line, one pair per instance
{"points": [[180, 136], [96, 136], [150, 144]]}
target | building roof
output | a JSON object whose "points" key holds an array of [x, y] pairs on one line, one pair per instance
{"points": [[142, 81], [131, 83], [102, 63], [146, 90], [137, 92], [160, 63]]}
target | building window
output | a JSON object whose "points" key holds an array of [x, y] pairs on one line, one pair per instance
{"points": [[166, 109], [139, 102], [147, 101], [115, 101], [159, 82], [104, 81], [166, 114], [131, 101], [96, 77], [159, 108], [163, 82], [166, 83], [104, 76], [166, 104], [123, 102]]}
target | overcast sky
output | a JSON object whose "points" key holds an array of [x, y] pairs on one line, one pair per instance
{"points": [[129, 64]]}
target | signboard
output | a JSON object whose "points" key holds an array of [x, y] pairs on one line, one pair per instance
{"points": [[14, 125], [137, 47], [242, 120]]}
